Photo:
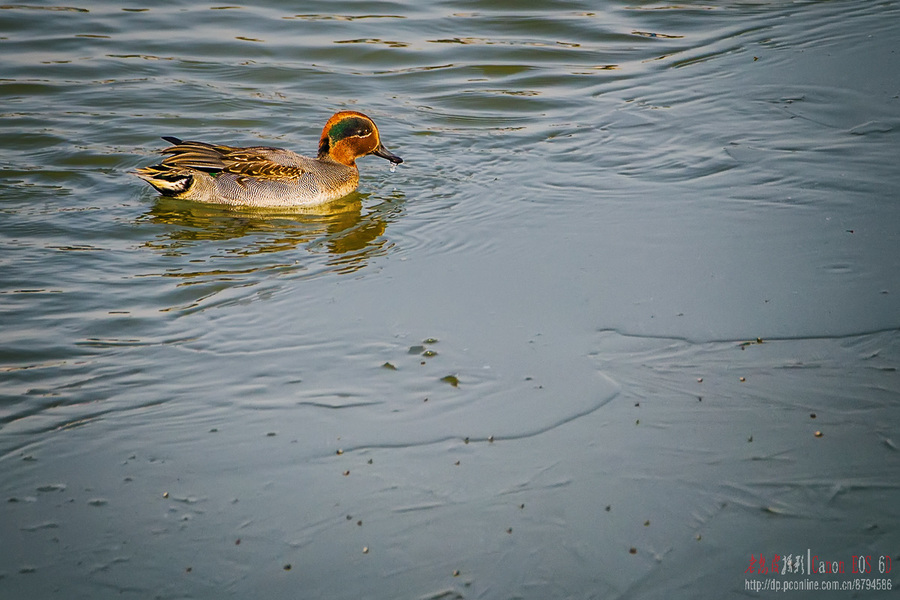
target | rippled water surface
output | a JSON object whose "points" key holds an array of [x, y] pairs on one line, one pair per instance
{"points": [[625, 319]]}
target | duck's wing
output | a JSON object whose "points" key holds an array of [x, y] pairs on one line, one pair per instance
{"points": [[261, 162]]}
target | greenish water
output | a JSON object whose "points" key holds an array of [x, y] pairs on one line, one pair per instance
{"points": [[625, 319]]}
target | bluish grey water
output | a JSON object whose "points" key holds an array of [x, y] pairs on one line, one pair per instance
{"points": [[625, 319]]}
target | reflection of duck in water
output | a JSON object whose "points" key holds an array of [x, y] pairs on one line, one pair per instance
{"points": [[264, 176], [344, 230]]}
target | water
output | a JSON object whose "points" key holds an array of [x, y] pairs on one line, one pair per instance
{"points": [[579, 346]]}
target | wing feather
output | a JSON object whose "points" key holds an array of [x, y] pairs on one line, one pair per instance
{"points": [[259, 162]]}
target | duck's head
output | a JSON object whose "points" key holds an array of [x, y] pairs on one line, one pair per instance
{"points": [[349, 135]]}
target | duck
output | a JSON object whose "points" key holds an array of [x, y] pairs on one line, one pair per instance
{"points": [[263, 176]]}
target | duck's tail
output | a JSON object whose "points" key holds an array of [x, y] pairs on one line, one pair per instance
{"points": [[168, 181]]}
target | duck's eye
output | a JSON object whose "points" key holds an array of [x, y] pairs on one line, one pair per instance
{"points": [[361, 129]]}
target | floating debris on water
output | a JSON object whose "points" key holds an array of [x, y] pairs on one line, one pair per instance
{"points": [[389, 366], [756, 341], [451, 379]]}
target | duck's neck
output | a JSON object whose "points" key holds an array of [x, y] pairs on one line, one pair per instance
{"points": [[341, 151]]}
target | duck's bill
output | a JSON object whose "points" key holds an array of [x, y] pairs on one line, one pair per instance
{"points": [[384, 153]]}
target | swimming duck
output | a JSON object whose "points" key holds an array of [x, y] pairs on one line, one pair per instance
{"points": [[264, 176]]}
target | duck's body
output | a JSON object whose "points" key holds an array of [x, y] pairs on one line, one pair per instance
{"points": [[264, 176]]}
